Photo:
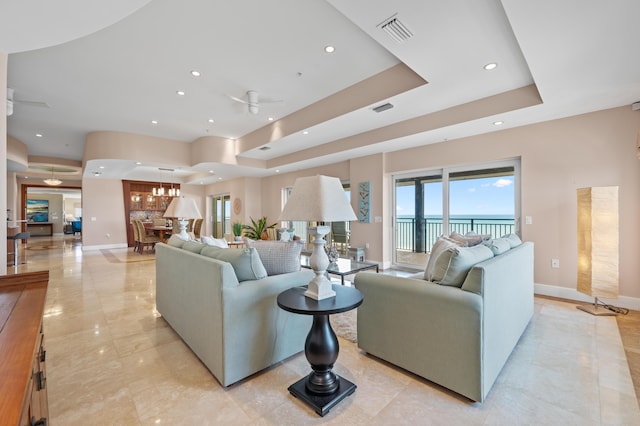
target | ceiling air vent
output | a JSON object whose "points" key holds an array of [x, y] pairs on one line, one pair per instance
{"points": [[383, 107], [264, 148], [396, 29]]}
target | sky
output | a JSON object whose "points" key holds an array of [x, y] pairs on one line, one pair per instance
{"points": [[484, 196]]}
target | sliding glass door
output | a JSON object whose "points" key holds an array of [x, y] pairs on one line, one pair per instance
{"points": [[481, 199]]}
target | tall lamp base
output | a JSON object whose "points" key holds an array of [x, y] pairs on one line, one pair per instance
{"points": [[596, 309]]}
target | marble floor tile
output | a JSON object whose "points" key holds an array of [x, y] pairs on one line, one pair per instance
{"points": [[112, 360]]}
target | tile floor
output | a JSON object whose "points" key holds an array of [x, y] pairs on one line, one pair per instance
{"points": [[111, 360]]}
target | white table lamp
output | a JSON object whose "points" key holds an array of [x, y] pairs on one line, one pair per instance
{"points": [[321, 199], [183, 209]]}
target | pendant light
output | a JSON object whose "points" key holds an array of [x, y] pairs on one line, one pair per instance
{"points": [[52, 181]]}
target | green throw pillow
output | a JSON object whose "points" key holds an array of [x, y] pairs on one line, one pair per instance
{"points": [[193, 246], [498, 245], [245, 261], [453, 265]]}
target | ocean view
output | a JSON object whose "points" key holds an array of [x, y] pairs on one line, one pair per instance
{"points": [[408, 235]]}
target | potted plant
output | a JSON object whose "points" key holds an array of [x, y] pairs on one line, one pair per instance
{"points": [[257, 230], [237, 230]]}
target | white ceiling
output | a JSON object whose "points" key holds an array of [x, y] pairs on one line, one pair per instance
{"points": [[581, 56]]}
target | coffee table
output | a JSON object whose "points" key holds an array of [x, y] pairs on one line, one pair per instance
{"points": [[342, 267]]}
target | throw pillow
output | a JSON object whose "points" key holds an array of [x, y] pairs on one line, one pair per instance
{"points": [[513, 239], [278, 257], [245, 261], [176, 241], [498, 245], [193, 246], [455, 263], [470, 239], [215, 242], [441, 245]]}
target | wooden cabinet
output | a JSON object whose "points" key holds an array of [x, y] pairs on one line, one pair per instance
{"points": [[23, 388], [37, 229], [140, 203]]}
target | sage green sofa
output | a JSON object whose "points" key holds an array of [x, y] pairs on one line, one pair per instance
{"points": [[234, 327], [459, 338]]}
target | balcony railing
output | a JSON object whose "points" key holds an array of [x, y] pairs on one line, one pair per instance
{"points": [[406, 230]]}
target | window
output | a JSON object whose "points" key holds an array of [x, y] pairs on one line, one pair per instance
{"points": [[221, 215], [482, 199]]}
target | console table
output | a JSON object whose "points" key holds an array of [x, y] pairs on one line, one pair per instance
{"points": [[38, 229], [23, 387], [322, 389]]}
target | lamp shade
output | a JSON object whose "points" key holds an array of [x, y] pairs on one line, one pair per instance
{"points": [[182, 207], [318, 198], [598, 241]]}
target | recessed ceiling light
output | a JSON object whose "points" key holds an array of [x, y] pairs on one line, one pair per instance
{"points": [[138, 163], [154, 122], [270, 118], [219, 178], [305, 132], [180, 93], [498, 123], [195, 73], [210, 120], [38, 135], [490, 66], [329, 49], [101, 167], [277, 170]]}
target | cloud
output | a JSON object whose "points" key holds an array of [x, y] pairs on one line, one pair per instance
{"points": [[471, 190], [501, 183], [399, 208]]}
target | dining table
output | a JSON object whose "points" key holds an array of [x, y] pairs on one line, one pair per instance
{"points": [[161, 230]]}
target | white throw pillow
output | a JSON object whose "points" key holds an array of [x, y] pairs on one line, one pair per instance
{"points": [[278, 257], [470, 239], [215, 242]]}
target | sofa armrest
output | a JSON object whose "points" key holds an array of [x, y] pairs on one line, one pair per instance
{"points": [[253, 324], [426, 328]]}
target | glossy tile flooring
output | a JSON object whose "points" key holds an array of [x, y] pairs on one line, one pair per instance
{"points": [[111, 360]]}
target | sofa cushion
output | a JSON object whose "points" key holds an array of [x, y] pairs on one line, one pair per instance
{"points": [[245, 261], [193, 246], [215, 242], [471, 239], [278, 257], [514, 240], [453, 265], [441, 245], [176, 241], [498, 245]]}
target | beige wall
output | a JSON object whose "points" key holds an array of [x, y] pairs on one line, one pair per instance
{"points": [[557, 157], [103, 221]]}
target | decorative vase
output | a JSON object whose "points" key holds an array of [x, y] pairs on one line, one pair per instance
{"points": [[238, 238], [332, 253]]}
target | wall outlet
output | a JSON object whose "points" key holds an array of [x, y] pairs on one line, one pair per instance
{"points": [[528, 220], [366, 246], [555, 263]]}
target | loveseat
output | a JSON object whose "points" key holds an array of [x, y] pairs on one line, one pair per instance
{"points": [[223, 305], [457, 336]]}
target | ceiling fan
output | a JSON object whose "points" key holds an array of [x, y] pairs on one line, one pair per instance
{"points": [[252, 101], [11, 101]]}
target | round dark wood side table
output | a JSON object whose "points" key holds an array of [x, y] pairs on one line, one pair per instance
{"points": [[322, 389]]}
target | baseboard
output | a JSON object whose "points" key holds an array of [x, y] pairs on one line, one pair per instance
{"points": [[105, 247], [573, 294]]}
